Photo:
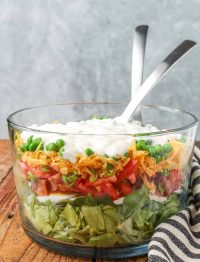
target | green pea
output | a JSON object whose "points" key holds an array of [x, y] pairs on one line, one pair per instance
{"points": [[29, 140], [158, 149], [151, 151], [89, 151], [143, 144], [52, 147], [140, 145], [60, 143], [167, 148], [32, 147], [109, 166], [37, 141]]}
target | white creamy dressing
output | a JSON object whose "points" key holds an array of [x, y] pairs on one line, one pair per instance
{"points": [[106, 136], [56, 197], [163, 199]]}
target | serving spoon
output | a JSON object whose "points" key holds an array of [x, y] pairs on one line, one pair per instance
{"points": [[155, 77], [138, 54]]}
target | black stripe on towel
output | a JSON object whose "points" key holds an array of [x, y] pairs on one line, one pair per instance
{"points": [[168, 248], [154, 247], [157, 259], [195, 168], [195, 234], [185, 231], [196, 181], [178, 243]]}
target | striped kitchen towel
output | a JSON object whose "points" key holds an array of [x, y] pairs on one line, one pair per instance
{"points": [[178, 239]]}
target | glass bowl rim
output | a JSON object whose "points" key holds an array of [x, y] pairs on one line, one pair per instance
{"points": [[156, 133]]}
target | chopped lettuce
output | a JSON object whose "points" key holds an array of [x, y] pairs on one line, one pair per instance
{"points": [[140, 215], [94, 217], [98, 221]]}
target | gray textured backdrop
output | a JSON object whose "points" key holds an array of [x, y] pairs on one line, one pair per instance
{"points": [[59, 51]]}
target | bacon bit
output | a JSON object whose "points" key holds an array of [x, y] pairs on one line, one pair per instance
{"points": [[42, 187], [55, 181]]}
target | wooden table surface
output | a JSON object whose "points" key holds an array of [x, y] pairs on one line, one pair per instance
{"points": [[15, 245]]}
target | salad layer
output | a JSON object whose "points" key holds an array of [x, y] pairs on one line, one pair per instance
{"points": [[98, 221], [100, 199], [157, 167]]}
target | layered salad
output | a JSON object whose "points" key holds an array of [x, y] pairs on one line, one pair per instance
{"points": [[99, 182]]}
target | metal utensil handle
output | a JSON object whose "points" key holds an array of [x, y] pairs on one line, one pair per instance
{"points": [[156, 76], [139, 43]]}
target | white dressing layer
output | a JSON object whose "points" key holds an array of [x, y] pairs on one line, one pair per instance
{"points": [[56, 197], [95, 134]]}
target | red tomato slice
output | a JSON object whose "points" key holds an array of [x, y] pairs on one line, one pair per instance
{"points": [[110, 190], [124, 188], [130, 171], [104, 187], [111, 179], [85, 190]]}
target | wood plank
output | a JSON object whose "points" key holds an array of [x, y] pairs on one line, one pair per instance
{"points": [[15, 245], [5, 159]]}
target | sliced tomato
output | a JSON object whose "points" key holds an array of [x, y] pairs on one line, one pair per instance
{"points": [[85, 190], [103, 187], [110, 190], [129, 172], [125, 188], [81, 188], [111, 179]]}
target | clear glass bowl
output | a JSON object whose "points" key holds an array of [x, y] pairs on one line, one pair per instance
{"points": [[100, 206]]}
